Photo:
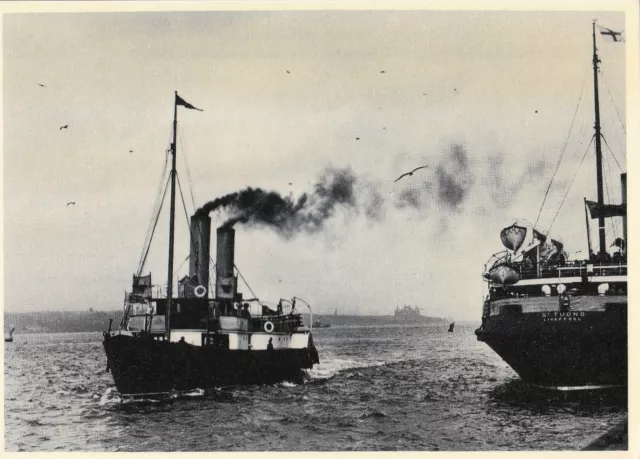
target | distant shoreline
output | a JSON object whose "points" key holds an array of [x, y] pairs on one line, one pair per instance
{"points": [[98, 321]]}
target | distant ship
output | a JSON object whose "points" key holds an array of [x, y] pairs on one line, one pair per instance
{"points": [[562, 324], [320, 324], [203, 339], [408, 313], [10, 338]]}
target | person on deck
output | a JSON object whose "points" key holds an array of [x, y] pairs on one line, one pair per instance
{"points": [[270, 345]]}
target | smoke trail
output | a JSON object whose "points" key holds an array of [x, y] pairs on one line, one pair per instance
{"points": [[456, 177], [447, 187], [336, 189]]}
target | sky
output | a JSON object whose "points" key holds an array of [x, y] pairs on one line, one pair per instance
{"points": [[489, 101]]}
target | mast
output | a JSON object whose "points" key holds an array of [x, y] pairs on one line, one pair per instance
{"points": [[167, 320], [603, 246], [586, 216]]}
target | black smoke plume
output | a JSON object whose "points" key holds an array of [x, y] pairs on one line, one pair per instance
{"points": [[336, 189], [447, 187], [457, 177]]}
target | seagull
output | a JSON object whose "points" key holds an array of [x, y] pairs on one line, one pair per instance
{"points": [[64, 127], [409, 173], [71, 203], [357, 138], [130, 151], [41, 85], [382, 71], [288, 71]]}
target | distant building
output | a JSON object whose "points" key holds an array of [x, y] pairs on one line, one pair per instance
{"points": [[407, 313]]}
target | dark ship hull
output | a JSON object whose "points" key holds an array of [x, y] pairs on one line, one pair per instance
{"points": [[562, 350], [142, 365]]}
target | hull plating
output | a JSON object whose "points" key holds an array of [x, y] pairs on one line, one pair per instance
{"points": [[569, 352], [142, 365]]}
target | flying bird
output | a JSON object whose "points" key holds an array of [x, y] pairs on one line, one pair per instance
{"points": [[64, 127], [288, 71], [41, 85], [382, 71], [130, 151], [409, 173], [71, 203]]}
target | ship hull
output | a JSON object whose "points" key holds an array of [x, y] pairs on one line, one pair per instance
{"points": [[565, 351], [141, 365]]}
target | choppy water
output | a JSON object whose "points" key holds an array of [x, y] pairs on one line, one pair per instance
{"points": [[377, 388]]}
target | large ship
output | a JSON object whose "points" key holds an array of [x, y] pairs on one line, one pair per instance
{"points": [[559, 323], [207, 335]]}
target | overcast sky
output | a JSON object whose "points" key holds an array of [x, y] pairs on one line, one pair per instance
{"points": [[486, 99]]}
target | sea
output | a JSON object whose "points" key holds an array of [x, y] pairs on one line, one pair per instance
{"points": [[377, 388]]}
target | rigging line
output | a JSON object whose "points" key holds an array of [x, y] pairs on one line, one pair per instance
{"points": [[569, 187], [179, 267], [186, 166], [155, 205], [152, 225], [613, 102], [612, 154], [212, 267], [564, 148], [245, 282], [184, 206], [146, 253], [607, 180]]}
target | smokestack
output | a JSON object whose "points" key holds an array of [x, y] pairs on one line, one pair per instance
{"points": [[226, 282], [623, 186], [200, 250]]}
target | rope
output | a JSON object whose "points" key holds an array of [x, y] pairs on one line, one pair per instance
{"points": [[607, 179], [181, 265], [569, 187], [184, 206], [155, 211], [186, 166], [564, 148], [245, 282], [146, 252], [212, 265], [612, 154], [613, 102]]}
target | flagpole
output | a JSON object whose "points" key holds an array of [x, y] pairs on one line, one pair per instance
{"points": [[603, 246], [171, 220]]}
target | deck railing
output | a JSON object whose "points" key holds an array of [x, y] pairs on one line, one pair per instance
{"points": [[570, 269]]}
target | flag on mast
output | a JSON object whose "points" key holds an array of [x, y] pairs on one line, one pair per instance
{"points": [[184, 103], [611, 35]]}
